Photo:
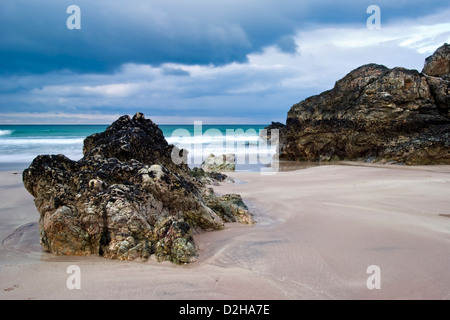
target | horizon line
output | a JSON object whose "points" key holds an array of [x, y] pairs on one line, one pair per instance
{"points": [[108, 124]]}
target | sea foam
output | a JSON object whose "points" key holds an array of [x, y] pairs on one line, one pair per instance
{"points": [[6, 132]]}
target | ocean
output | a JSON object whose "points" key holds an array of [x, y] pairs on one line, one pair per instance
{"points": [[20, 144]]}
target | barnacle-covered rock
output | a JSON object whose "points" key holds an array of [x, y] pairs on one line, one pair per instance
{"points": [[123, 200]]}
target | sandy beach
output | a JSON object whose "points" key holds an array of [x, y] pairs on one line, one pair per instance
{"points": [[318, 231]]}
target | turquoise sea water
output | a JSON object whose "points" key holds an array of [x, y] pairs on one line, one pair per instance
{"points": [[20, 144]]}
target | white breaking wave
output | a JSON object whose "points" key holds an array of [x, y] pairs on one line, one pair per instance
{"points": [[248, 148], [213, 139], [6, 132], [23, 150], [49, 142]]}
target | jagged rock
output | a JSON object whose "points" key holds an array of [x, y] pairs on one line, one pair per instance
{"points": [[266, 134], [135, 138], [438, 64], [225, 162], [437, 72], [211, 177], [373, 114], [176, 242], [127, 208], [230, 208]]}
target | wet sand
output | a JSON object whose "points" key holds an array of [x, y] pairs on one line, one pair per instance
{"points": [[318, 231]]}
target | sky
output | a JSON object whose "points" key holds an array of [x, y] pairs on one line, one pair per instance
{"points": [[180, 61]]}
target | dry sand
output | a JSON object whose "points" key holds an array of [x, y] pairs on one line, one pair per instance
{"points": [[318, 231]]}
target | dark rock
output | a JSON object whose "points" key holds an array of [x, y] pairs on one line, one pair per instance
{"points": [[175, 242], [437, 72], [438, 64], [225, 162], [121, 204], [134, 138], [266, 134], [229, 207], [210, 177], [376, 114]]}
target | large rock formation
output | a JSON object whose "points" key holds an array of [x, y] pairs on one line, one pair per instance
{"points": [[125, 199], [376, 114]]}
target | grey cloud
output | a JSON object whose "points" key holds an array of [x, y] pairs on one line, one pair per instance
{"points": [[287, 44], [175, 71], [35, 39]]}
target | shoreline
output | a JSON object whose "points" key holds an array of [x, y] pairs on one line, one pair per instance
{"points": [[284, 166], [318, 230]]}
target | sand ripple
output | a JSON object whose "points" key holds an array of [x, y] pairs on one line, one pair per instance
{"points": [[25, 239]]}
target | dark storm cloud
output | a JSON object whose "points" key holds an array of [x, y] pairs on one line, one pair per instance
{"points": [[35, 39], [231, 61]]}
